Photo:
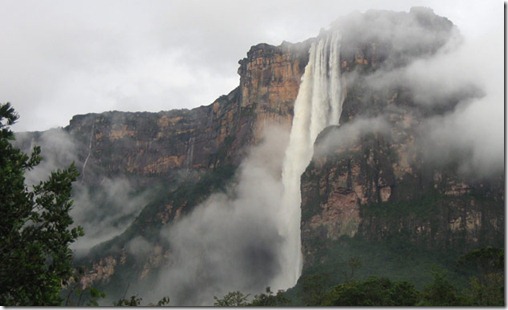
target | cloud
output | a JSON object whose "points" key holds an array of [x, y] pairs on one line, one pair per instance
{"points": [[459, 89], [103, 211], [398, 35], [231, 241], [461, 136], [58, 151], [436, 80], [470, 74], [139, 247], [346, 135]]}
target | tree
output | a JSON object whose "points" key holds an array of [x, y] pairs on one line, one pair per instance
{"points": [[76, 295], [313, 288], [231, 299], [373, 291], [35, 225], [440, 292], [486, 269], [268, 299], [353, 263], [135, 301]]}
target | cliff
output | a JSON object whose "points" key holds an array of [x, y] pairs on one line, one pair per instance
{"points": [[148, 144]]}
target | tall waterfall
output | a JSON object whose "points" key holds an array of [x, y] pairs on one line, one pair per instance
{"points": [[318, 104]]}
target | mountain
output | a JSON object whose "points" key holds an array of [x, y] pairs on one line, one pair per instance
{"points": [[186, 202]]}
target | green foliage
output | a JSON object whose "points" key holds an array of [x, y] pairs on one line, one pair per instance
{"points": [[489, 292], [231, 299], [135, 301], [372, 292], [76, 295], [440, 292], [404, 293], [35, 231], [193, 193], [163, 302], [422, 208], [314, 288], [95, 294], [239, 299], [483, 261], [268, 299], [353, 263], [318, 289], [486, 284]]}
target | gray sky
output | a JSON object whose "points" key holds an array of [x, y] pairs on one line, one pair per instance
{"points": [[62, 58]]}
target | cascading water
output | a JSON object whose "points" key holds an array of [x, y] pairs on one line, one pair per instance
{"points": [[318, 105], [89, 152]]}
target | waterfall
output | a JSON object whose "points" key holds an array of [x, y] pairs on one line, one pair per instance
{"points": [[318, 105], [190, 152], [89, 152]]}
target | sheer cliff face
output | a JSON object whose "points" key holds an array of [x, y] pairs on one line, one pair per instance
{"points": [[269, 83], [158, 144]]}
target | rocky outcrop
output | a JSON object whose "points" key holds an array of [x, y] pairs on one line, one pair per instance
{"points": [[269, 83]]}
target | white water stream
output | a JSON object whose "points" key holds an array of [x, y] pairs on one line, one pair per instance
{"points": [[318, 105]]}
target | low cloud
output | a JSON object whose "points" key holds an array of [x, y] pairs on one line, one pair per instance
{"points": [[436, 80], [139, 247], [231, 241], [344, 136], [407, 34], [58, 151], [103, 212], [460, 90], [462, 136]]}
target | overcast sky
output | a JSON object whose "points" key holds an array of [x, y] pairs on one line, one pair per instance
{"points": [[62, 58]]}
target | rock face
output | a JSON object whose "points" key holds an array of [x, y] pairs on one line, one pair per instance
{"points": [[269, 82]]}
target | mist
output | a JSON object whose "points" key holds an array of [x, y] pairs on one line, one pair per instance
{"points": [[103, 212], [231, 241], [475, 127], [58, 151], [341, 137], [459, 88], [106, 212]]}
